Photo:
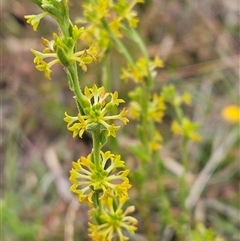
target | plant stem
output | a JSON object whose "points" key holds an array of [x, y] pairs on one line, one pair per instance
{"points": [[134, 35], [183, 188], [183, 182], [119, 45], [164, 205], [74, 84], [106, 72], [96, 147]]}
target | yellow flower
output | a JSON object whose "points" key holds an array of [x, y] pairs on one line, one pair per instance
{"points": [[115, 14], [35, 19], [139, 71], [41, 65], [85, 57], [156, 142], [231, 113], [112, 222], [156, 108], [115, 25], [186, 98], [62, 50], [187, 129], [176, 128], [108, 180], [95, 112], [48, 44], [134, 110], [124, 11], [157, 63]]}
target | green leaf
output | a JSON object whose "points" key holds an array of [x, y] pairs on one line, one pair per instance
{"points": [[140, 152]]}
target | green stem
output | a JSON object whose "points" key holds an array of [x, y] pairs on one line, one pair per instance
{"points": [[72, 75], [183, 231], [164, 204], [184, 157], [183, 187], [134, 36], [119, 45], [106, 72], [96, 147], [178, 112], [145, 123], [183, 181], [107, 83]]}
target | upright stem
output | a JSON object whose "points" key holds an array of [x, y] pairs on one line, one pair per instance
{"points": [[183, 182], [183, 189], [96, 147], [106, 72], [120, 46], [74, 80], [72, 75], [134, 35], [184, 157]]}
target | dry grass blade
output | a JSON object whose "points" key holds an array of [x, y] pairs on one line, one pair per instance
{"points": [[194, 70], [218, 155], [230, 212], [176, 168], [70, 220], [54, 167]]}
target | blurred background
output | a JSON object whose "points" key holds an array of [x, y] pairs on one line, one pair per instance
{"points": [[199, 44]]}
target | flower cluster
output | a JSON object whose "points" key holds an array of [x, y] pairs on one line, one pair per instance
{"points": [[57, 9], [100, 179], [156, 106], [117, 14], [139, 71], [112, 222], [96, 107], [169, 95], [61, 50], [187, 129], [182, 126], [107, 180], [155, 112]]}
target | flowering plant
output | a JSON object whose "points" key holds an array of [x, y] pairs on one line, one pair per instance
{"points": [[101, 179]]}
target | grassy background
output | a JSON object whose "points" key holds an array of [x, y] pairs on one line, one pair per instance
{"points": [[199, 43]]}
